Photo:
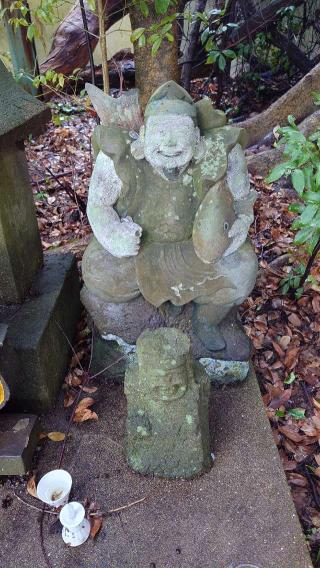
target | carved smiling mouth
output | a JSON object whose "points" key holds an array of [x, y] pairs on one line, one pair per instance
{"points": [[168, 154]]}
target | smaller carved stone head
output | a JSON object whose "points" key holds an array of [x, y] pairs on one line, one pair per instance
{"points": [[170, 138], [165, 369]]}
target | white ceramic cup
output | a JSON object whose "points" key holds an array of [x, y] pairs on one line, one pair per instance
{"points": [[76, 528], [54, 487]]}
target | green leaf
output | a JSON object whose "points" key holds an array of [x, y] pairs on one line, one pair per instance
{"points": [[290, 379], [212, 57], [311, 197], [298, 182], [297, 413], [277, 172], [229, 53], [303, 235], [92, 5], [142, 40], [30, 32], [309, 213], [280, 413], [222, 62], [136, 34], [169, 37], [156, 44], [161, 6], [144, 8]]}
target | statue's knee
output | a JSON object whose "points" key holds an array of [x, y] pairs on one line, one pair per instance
{"points": [[112, 279]]}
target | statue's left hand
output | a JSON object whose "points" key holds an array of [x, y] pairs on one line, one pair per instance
{"points": [[238, 233]]}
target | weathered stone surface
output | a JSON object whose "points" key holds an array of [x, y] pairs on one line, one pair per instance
{"points": [[225, 372], [35, 354], [18, 439], [170, 210], [20, 244], [167, 429], [21, 114], [240, 512]]}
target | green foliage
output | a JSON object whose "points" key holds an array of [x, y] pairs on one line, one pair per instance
{"points": [[302, 165], [296, 413], [290, 378], [155, 34]]}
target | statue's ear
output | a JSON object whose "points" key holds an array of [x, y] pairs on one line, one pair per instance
{"points": [[101, 103], [137, 147]]}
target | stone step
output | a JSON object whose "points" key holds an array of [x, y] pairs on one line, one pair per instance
{"points": [[18, 439]]}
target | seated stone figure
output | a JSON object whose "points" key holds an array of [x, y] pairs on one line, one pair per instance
{"points": [[170, 211]]}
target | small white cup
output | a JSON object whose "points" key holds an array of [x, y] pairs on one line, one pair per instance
{"points": [[76, 528], [54, 487]]}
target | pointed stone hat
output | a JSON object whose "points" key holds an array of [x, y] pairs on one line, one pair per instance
{"points": [[21, 114], [170, 98]]}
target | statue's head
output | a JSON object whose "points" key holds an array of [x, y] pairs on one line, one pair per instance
{"points": [[164, 364], [170, 138]]}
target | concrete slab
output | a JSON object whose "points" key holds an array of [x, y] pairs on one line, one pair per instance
{"points": [[18, 440], [240, 513], [35, 354]]}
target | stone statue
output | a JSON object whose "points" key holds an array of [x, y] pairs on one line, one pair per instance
{"points": [[167, 431], [170, 209]]}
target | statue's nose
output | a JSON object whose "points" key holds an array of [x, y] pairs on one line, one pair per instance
{"points": [[169, 141]]}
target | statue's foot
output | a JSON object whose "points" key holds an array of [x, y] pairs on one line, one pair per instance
{"points": [[209, 335]]}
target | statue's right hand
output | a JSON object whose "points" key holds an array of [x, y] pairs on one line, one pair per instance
{"points": [[131, 235]]}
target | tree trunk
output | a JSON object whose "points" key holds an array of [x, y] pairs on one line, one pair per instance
{"points": [[262, 163], [152, 71], [191, 46], [69, 49], [297, 101]]}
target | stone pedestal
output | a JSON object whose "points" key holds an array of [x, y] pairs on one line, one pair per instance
{"points": [[118, 326], [34, 357]]}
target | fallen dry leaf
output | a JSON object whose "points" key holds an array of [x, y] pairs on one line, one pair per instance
{"points": [[31, 486], [96, 524], [56, 436]]}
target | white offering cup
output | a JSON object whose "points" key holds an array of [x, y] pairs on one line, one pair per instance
{"points": [[76, 529], [54, 487]]}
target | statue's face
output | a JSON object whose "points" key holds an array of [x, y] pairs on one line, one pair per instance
{"points": [[170, 142], [168, 384]]}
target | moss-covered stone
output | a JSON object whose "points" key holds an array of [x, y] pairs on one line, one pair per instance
{"points": [[20, 244], [167, 431]]}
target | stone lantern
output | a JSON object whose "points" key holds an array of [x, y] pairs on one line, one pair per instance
{"points": [[39, 293]]}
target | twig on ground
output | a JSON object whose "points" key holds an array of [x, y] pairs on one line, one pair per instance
{"points": [[34, 506], [126, 506]]}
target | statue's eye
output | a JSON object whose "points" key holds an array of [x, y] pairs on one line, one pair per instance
{"points": [[226, 226]]}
